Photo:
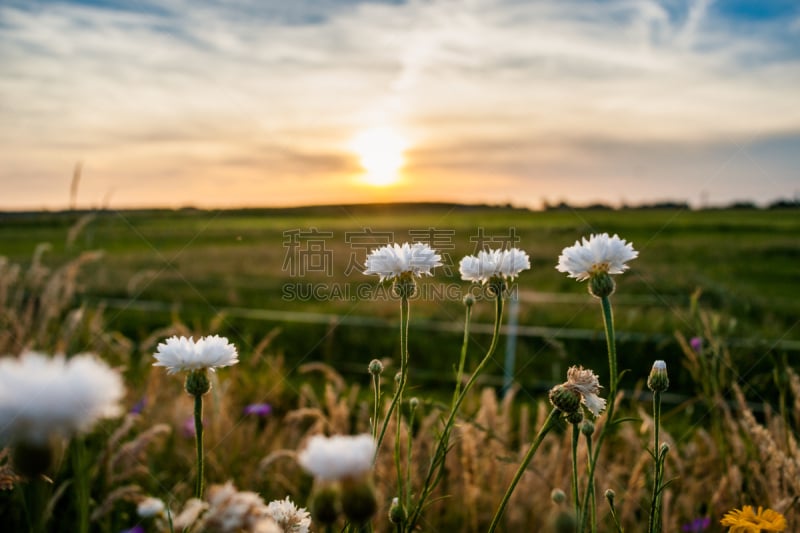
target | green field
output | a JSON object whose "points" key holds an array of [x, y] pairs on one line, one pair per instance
{"points": [[240, 270]]}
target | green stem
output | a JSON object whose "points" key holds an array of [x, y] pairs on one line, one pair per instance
{"points": [[80, 478], [576, 433], [549, 422], [463, 358], [590, 489], [403, 370], [376, 387], [437, 461], [198, 433], [653, 525], [611, 346], [34, 497]]}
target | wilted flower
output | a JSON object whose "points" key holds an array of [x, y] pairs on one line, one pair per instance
{"points": [[43, 396], [231, 511], [503, 264], [150, 507], [338, 457], [585, 384], [599, 254], [288, 516], [394, 260], [748, 521], [178, 354]]}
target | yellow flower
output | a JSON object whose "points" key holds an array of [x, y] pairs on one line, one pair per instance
{"points": [[747, 521]]}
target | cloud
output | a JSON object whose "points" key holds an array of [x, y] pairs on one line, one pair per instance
{"points": [[184, 90]]}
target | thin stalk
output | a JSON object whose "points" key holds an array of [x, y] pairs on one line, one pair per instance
{"points": [[463, 358], [34, 497], [549, 422], [654, 522], [198, 433], [437, 461], [590, 490], [403, 370], [611, 346], [376, 388], [576, 433], [81, 484]]}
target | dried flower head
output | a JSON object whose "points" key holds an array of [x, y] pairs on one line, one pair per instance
{"points": [[288, 516], [43, 396], [231, 511], [338, 457], [598, 254], [587, 384], [749, 521], [177, 354], [502, 264], [394, 260]]}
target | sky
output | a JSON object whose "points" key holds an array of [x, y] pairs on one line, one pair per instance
{"points": [[176, 103]]}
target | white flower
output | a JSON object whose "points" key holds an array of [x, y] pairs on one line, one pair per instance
{"points": [[506, 264], [184, 354], [393, 260], [231, 511], [337, 457], [600, 253], [587, 384], [288, 516], [150, 507], [42, 396]]}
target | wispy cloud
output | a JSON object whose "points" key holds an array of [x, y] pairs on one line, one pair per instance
{"points": [[179, 92]]}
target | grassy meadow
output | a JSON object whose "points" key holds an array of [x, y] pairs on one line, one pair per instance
{"points": [[284, 286]]}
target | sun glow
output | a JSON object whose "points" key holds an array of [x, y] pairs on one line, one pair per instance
{"points": [[380, 151]]}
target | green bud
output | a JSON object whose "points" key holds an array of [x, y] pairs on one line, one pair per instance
{"points": [[564, 399], [558, 496], [359, 502], [601, 285], [413, 403], [610, 495], [658, 381], [197, 382], [397, 514], [325, 506], [564, 521], [375, 367], [469, 300], [575, 417], [587, 428]]}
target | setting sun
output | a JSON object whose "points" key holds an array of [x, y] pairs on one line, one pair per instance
{"points": [[380, 151]]}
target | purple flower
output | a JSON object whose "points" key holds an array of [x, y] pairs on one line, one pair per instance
{"points": [[135, 529], [138, 407], [696, 343], [697, 525], [187, 428], [258, 409]]}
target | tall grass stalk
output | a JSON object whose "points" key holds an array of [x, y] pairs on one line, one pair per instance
{"points": [[436, 466]]}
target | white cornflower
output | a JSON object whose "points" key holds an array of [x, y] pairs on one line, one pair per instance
{"points": [[291, 518], [394, 260], [337, 457], [587, 384], [150, 507], [178, 354], [506, 264], [42, 396], [231, 511], [600, 253]]}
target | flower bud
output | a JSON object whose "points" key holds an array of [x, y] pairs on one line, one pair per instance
{"points": [[587, 428], [610, 495], [469, 300], [601, 285], [375, 367], [325, 506], [405, 286], [564, 399], [564, 522], [197, 382], [575, 417], [658, 381], [413, 403], [397, 514], [558, 496], [359, 502]]}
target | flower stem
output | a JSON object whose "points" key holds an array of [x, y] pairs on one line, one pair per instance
{"points": [[437, 461], [654, 522], [462, 359], [549, 423], [80, 477], [611, 345], [198, 433], [376, 388], [576, 433], [404, 311]]}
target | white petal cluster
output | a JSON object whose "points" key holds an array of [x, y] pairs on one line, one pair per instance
{"points": [[506, 264], [587, 384], [150, 507], [600, 253], [231, 511], [41, 396], [289, 517], [337, 457], [394, 260], [178, 354]]}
